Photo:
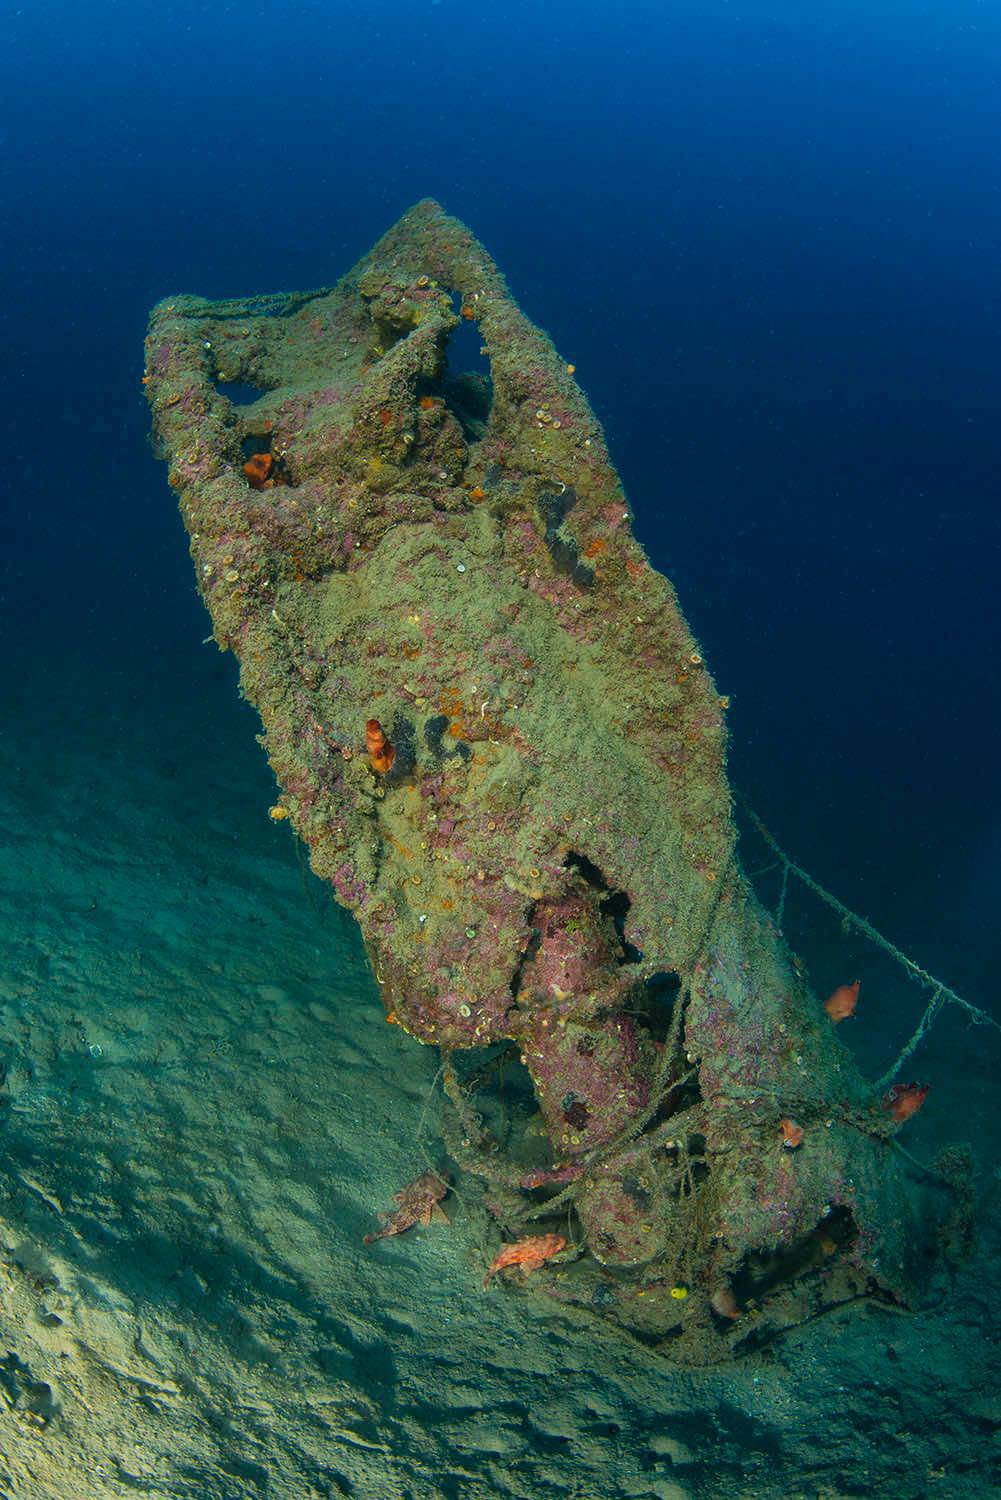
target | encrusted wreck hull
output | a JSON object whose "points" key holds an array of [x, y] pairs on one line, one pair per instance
{"points": [[549, 858]]}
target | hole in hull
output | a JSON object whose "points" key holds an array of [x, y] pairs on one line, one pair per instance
{"points": [[500, 1089], [239, 392], [615, 905], [761, 1274], [466, 385]]}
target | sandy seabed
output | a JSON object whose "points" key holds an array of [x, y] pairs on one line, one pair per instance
{"points": [[202, 1113]]}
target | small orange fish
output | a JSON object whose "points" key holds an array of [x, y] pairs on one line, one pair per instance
{"points": [[792, 1134], [904, 1100], [418, 1202], [841, 1003], [530, 1254]]}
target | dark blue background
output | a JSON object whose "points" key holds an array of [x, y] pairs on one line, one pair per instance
{"points": [[768, 236]]}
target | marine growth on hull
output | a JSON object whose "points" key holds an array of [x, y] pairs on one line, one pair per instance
{"points": [[494, 731]]}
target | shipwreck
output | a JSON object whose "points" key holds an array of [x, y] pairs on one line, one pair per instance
{"points": [[496, 735]]}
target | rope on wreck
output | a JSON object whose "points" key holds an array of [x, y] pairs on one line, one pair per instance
{"points": [[663, 1082], [942, 994], [263, 305]]}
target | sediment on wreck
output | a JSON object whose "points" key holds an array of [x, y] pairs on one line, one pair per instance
{"points": [[494, 731]]}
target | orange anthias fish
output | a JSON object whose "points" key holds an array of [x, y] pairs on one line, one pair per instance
{"points": [[904, 1100], [529, 1254], [418, 1202], [842, 1002], [792, 1134]]}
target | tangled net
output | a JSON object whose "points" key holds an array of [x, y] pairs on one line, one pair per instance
{"points": [[677, 1195], [941, 994]]}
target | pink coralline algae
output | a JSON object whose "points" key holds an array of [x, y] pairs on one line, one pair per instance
{"points": [[350, 889]]}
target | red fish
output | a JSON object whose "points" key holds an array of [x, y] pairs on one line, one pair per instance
{"points": [[418, 1202], [904, 1100], [530, 1254], [841, 1003]]}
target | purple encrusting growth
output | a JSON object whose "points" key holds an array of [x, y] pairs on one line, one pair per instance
{"points": [[453, 558]]}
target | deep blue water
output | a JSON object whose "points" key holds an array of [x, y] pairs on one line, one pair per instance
{"points": [[767, 235]]}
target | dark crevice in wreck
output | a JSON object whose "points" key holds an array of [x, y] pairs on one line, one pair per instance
{"points": [[433, 731], [505, 1101], [465, 348], [587, 869], [654, 1004], [760, 1274], [403, 737], [239, 392], [466, 383], [468, 398], [253, 445], [529, 951], [554, 507], [615, 904]]}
